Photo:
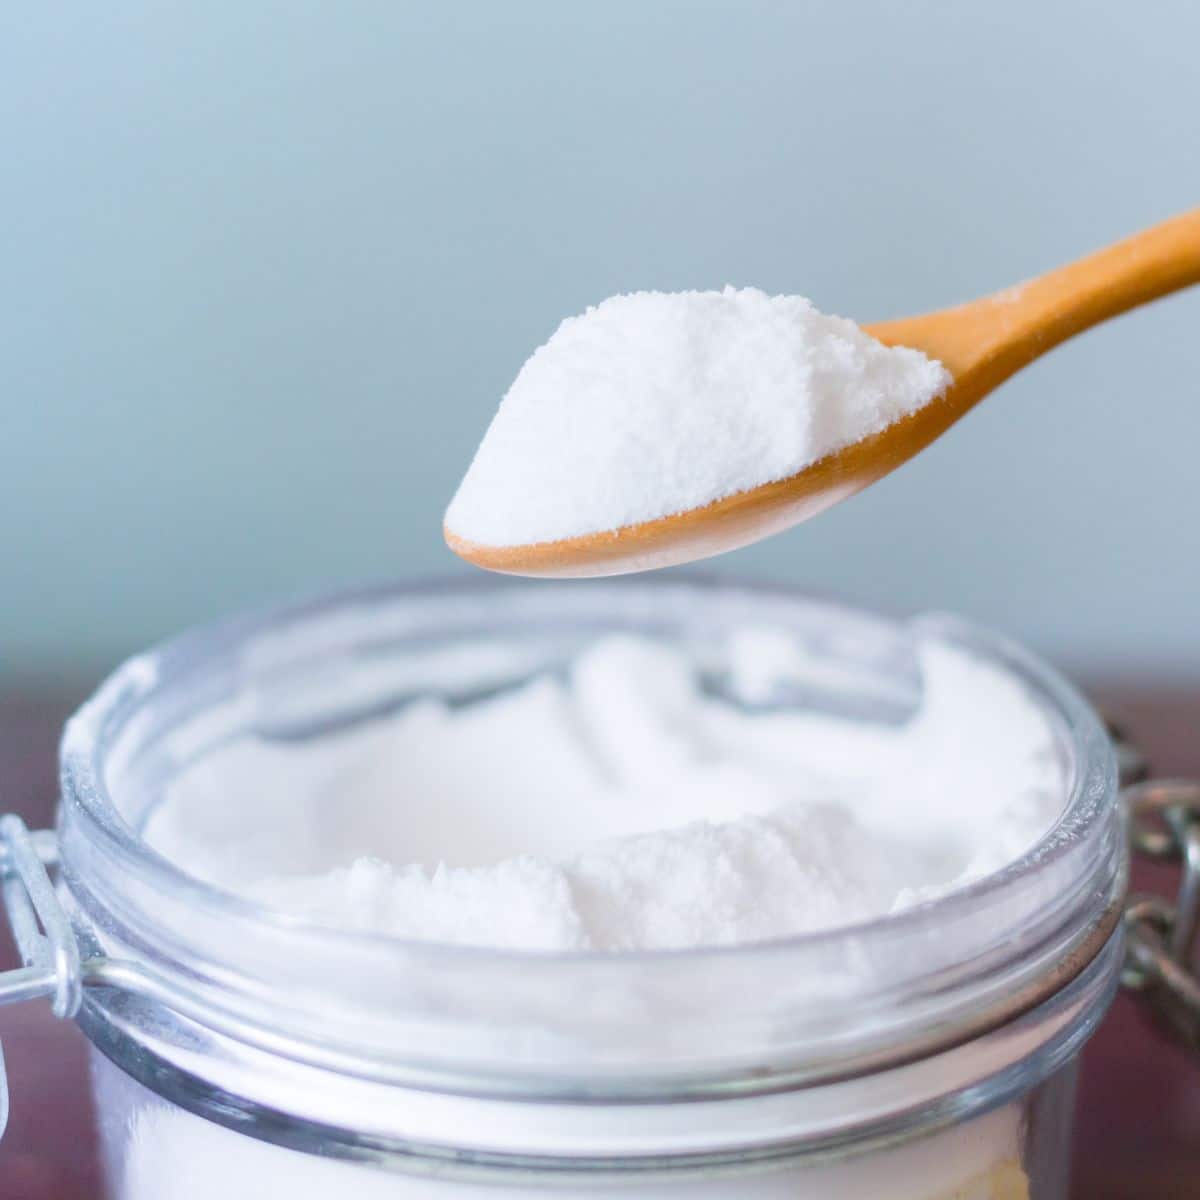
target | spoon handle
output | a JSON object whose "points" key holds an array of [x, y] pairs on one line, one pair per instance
{"points": [[984, 342], [1139, 269]]}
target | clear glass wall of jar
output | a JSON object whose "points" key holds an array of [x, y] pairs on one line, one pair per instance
{"points": [[244, 1054]]}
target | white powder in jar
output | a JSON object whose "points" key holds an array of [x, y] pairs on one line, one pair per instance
{"points": [[168, 1154], [654, 403], [623, 805], [624, 802]]}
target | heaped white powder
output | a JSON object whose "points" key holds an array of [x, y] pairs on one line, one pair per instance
{"points": [[654, 403], [624, 805], [630, 801]]}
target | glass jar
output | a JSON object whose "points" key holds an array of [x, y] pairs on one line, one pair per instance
{"points": [[242, 1053]]}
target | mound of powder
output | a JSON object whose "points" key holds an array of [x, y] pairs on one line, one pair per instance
{"points": [[625, 804], [654, 403]]}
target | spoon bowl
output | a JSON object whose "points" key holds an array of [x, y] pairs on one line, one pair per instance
{"points": [[981, 344]]}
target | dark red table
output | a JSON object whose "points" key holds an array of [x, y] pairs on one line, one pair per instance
{"points": [[1137, 1137]]}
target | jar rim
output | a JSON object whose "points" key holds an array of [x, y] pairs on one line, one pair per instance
{"points": [[137, 677], [1081, 856]]}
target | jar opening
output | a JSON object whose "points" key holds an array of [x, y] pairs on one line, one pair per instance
{"points": [[825, 1003]]}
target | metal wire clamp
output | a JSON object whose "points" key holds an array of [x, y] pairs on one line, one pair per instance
{"points": [[40, 928], [1161, 936]]}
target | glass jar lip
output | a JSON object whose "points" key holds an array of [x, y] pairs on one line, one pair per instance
{"points": [[89, 732]]}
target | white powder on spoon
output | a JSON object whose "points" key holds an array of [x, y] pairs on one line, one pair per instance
{"points": [[655, 403]]}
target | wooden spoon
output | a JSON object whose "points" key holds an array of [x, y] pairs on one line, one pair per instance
{"points": [[981, 343]]}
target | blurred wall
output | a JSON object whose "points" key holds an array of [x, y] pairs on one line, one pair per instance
{"points": [[267, 268]]}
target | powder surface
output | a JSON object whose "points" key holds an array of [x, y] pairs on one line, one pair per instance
{"points": [[654, 403], [625, 803], [635, 798]]}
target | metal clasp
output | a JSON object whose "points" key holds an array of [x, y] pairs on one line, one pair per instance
{"points": [[40, 927], [1161, 935]]}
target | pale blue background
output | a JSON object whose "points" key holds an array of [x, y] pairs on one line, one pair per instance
{"points": [[266, 269]]}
